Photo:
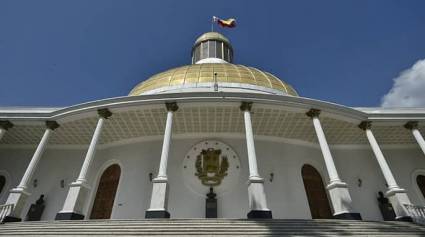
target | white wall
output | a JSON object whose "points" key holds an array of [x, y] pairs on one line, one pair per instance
{"points": [[285, 195], [54, 166]]}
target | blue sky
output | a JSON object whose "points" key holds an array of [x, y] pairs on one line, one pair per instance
{"points": [[59, 53]]}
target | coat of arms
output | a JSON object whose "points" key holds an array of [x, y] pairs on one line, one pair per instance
{"points": [[210, 167]]}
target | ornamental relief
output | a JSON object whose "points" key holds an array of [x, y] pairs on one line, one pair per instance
{"points": [[208, 164], [211, 167]]}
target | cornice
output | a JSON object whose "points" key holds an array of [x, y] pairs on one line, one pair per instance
{"points": [[301, 103]]}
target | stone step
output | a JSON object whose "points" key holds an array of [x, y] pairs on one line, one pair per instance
{"points": [[354, 225], [210, 221], [216, 234], [204, 231], [60, 234], [244, 222], [222, 232], [126, 230], [214, 227], [364, 225], [211, 227]]}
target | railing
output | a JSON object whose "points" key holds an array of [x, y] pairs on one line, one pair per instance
{"points": [[5, 210], [417, 213]]}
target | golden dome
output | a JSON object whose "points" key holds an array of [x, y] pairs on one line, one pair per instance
{"points": [[192, 75]]}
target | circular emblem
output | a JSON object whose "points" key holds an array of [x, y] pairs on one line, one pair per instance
{"points": [[209, 164]]}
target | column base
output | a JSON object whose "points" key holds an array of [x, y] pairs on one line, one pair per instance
{"points": [[341, 201], [398, 198], [74, 203], [69, 216], [11, 219], [348, 216], [257, 199], [404, 218], [256, 214], [18, 197], [157, 214], [159, 199]]}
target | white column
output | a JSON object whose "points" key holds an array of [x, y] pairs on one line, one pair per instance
{"points": [[162, 172], [386, 171], [4, 126], [250, 146], [413, 126], [256, 194], [338, 190], [35, 159], [330, 165], [19, 194], [159, 198], [396, 195], [82, 177], [78, 191]]}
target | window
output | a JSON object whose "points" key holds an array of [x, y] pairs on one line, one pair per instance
{"points": [[219, 50], [197, 53], [204, 51], [226, 53], [211, 49]]}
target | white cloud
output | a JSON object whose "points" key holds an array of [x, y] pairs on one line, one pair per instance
{"points": [[408, 89]]}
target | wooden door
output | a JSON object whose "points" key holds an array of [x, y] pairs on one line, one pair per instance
{"points": [[105, 195], [420, 180], [316, 193]]}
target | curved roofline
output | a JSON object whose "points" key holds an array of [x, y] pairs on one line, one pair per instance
{"points": [[140, 88], [221, 85], [157, 99], [212, 35]]}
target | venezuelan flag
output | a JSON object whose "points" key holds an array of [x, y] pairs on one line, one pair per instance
{"points": [[230, 23]]}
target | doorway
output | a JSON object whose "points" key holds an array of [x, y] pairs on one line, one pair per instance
{"points": [[2, 183], [316, 193], [420, 181], [105, 195]]}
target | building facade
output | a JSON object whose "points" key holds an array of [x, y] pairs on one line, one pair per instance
{"points": [[235, 132]]}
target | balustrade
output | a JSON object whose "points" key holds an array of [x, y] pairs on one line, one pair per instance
{"points": [[5, 210], [416, 212]]}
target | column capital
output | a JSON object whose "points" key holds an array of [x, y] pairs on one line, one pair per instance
{"points": [[5, 124], [171, 106], [246, 106], [411, 125], [365, 125], [313, 113], [104, 113], [52, 125]]}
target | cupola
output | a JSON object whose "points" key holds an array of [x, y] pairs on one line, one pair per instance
{"points": [[212, 70], [212, 47]]}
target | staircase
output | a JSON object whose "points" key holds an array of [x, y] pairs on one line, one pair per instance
{"points": [[211, 227]]}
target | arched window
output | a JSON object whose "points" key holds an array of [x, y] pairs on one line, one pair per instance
{"points": [[105, 195], [316, 193], [420, 181], [2, 183]]}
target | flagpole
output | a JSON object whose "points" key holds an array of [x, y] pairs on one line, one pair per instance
{"points": [[212, 25]]}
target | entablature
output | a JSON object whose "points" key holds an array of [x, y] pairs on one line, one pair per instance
{"points": [[211, 113]]}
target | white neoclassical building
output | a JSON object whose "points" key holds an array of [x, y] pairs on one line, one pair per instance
{"points": [[211, 139]]}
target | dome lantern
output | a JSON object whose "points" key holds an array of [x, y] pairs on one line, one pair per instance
{"points": [[212, 47]]}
